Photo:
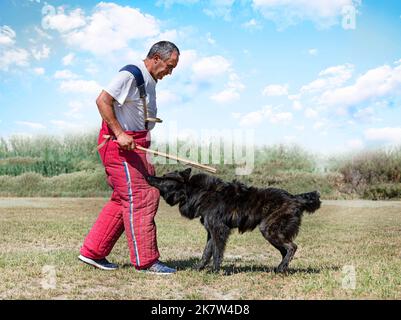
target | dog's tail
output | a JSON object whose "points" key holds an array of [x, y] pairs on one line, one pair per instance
{"points": [[310, 201]]}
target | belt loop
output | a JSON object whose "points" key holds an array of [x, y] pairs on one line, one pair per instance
{"points": [[106, 137]]}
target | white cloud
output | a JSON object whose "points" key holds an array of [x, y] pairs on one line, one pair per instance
{"points": [[31, 125], [7, 36], [206, 69], [76, 108], [93, 68], [374, 84], [234, 82], [14, 56], [210, 39], [252, 24], [166, 98], [332, 77], [226, 96], [313, 52], [252, 118], [64, 22], [187, 59], [232, 92], [212, 8], [42, 33], [39, 71], [195, 73], [170, 35], [311, 113], [68, 59], [294, 97], [65, 75], [366, 114], [282, 117], [300, 128], [275, 90], [10, 55], [128, 55], [80, 86], [297, 105], [266, 113], [40, 54], [387, 135], [324, 13], [169, 3], [111, 27], [219, 8], [319, 125]]}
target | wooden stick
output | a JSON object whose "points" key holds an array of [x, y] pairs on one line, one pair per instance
{"points": [[186, 161]]}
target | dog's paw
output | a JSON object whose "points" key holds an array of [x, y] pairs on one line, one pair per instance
{"points": [[281, 270], [200, 266], [215, 270]]}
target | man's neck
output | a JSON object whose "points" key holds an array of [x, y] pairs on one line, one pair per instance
{"points": [[148, 65]]}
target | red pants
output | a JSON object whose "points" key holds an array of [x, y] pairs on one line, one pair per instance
{"points": [[132, 206]]}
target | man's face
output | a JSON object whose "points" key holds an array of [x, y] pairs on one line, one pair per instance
{"points": [[162, 68]]}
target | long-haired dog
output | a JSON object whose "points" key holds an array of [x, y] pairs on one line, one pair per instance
{"points": [[223, 206]]}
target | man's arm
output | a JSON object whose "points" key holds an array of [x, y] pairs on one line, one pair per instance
{"points": [[105, 105]]}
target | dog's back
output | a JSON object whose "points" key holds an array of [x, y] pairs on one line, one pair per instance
{"points": [[310, 200]]}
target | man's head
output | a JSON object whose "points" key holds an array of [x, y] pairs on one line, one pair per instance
{"points": [[162, 59]]}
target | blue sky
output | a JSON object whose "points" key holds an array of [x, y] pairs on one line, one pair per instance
{"points": [[323, 74]]}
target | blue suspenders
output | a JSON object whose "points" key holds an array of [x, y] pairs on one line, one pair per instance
{"points": [[140, 83], [137, 73]]}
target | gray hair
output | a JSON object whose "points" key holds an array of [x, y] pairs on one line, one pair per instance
{"points": [[164, 49]]}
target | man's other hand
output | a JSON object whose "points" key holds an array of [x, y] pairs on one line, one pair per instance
{"points": [[125, 141]]}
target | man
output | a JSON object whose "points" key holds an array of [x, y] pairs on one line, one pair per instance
{"points": [[134, 203]]}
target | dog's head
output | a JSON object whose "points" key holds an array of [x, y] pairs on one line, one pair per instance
{"points": [[171, 185]]}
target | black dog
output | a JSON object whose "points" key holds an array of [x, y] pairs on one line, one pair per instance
{"points": [[223, 206]]}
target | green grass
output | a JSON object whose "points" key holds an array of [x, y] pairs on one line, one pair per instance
{"points": [[35, 232], [93, 183], [69, 166]]}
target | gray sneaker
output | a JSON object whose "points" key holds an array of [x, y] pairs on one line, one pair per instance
{"points": [[99, 263], [160, 268]]}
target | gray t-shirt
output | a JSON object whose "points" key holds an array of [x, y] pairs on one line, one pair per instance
{"points": [[128, 107]]}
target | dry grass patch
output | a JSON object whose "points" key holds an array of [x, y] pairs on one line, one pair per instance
{"points": [[42, 232]]}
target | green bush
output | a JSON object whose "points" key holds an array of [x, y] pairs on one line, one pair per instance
{"points": [[70, 166], [77, 184], [49, 156], [373, 166], [365, 173], [284, 158], [383, 192]]}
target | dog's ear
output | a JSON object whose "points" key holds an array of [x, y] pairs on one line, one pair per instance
{"points": [[186, 174]]}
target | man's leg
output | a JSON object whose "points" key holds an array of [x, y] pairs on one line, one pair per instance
{"points": [[109, 225], [140, 202], [105, 232]]}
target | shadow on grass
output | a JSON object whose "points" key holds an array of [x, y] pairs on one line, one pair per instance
{"points": [[190, 264]]}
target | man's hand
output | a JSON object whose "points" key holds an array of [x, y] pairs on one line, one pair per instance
{"points": [[125, 141], [105, 105]]}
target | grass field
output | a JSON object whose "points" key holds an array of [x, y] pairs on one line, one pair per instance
{"points": [[347, 250]]}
